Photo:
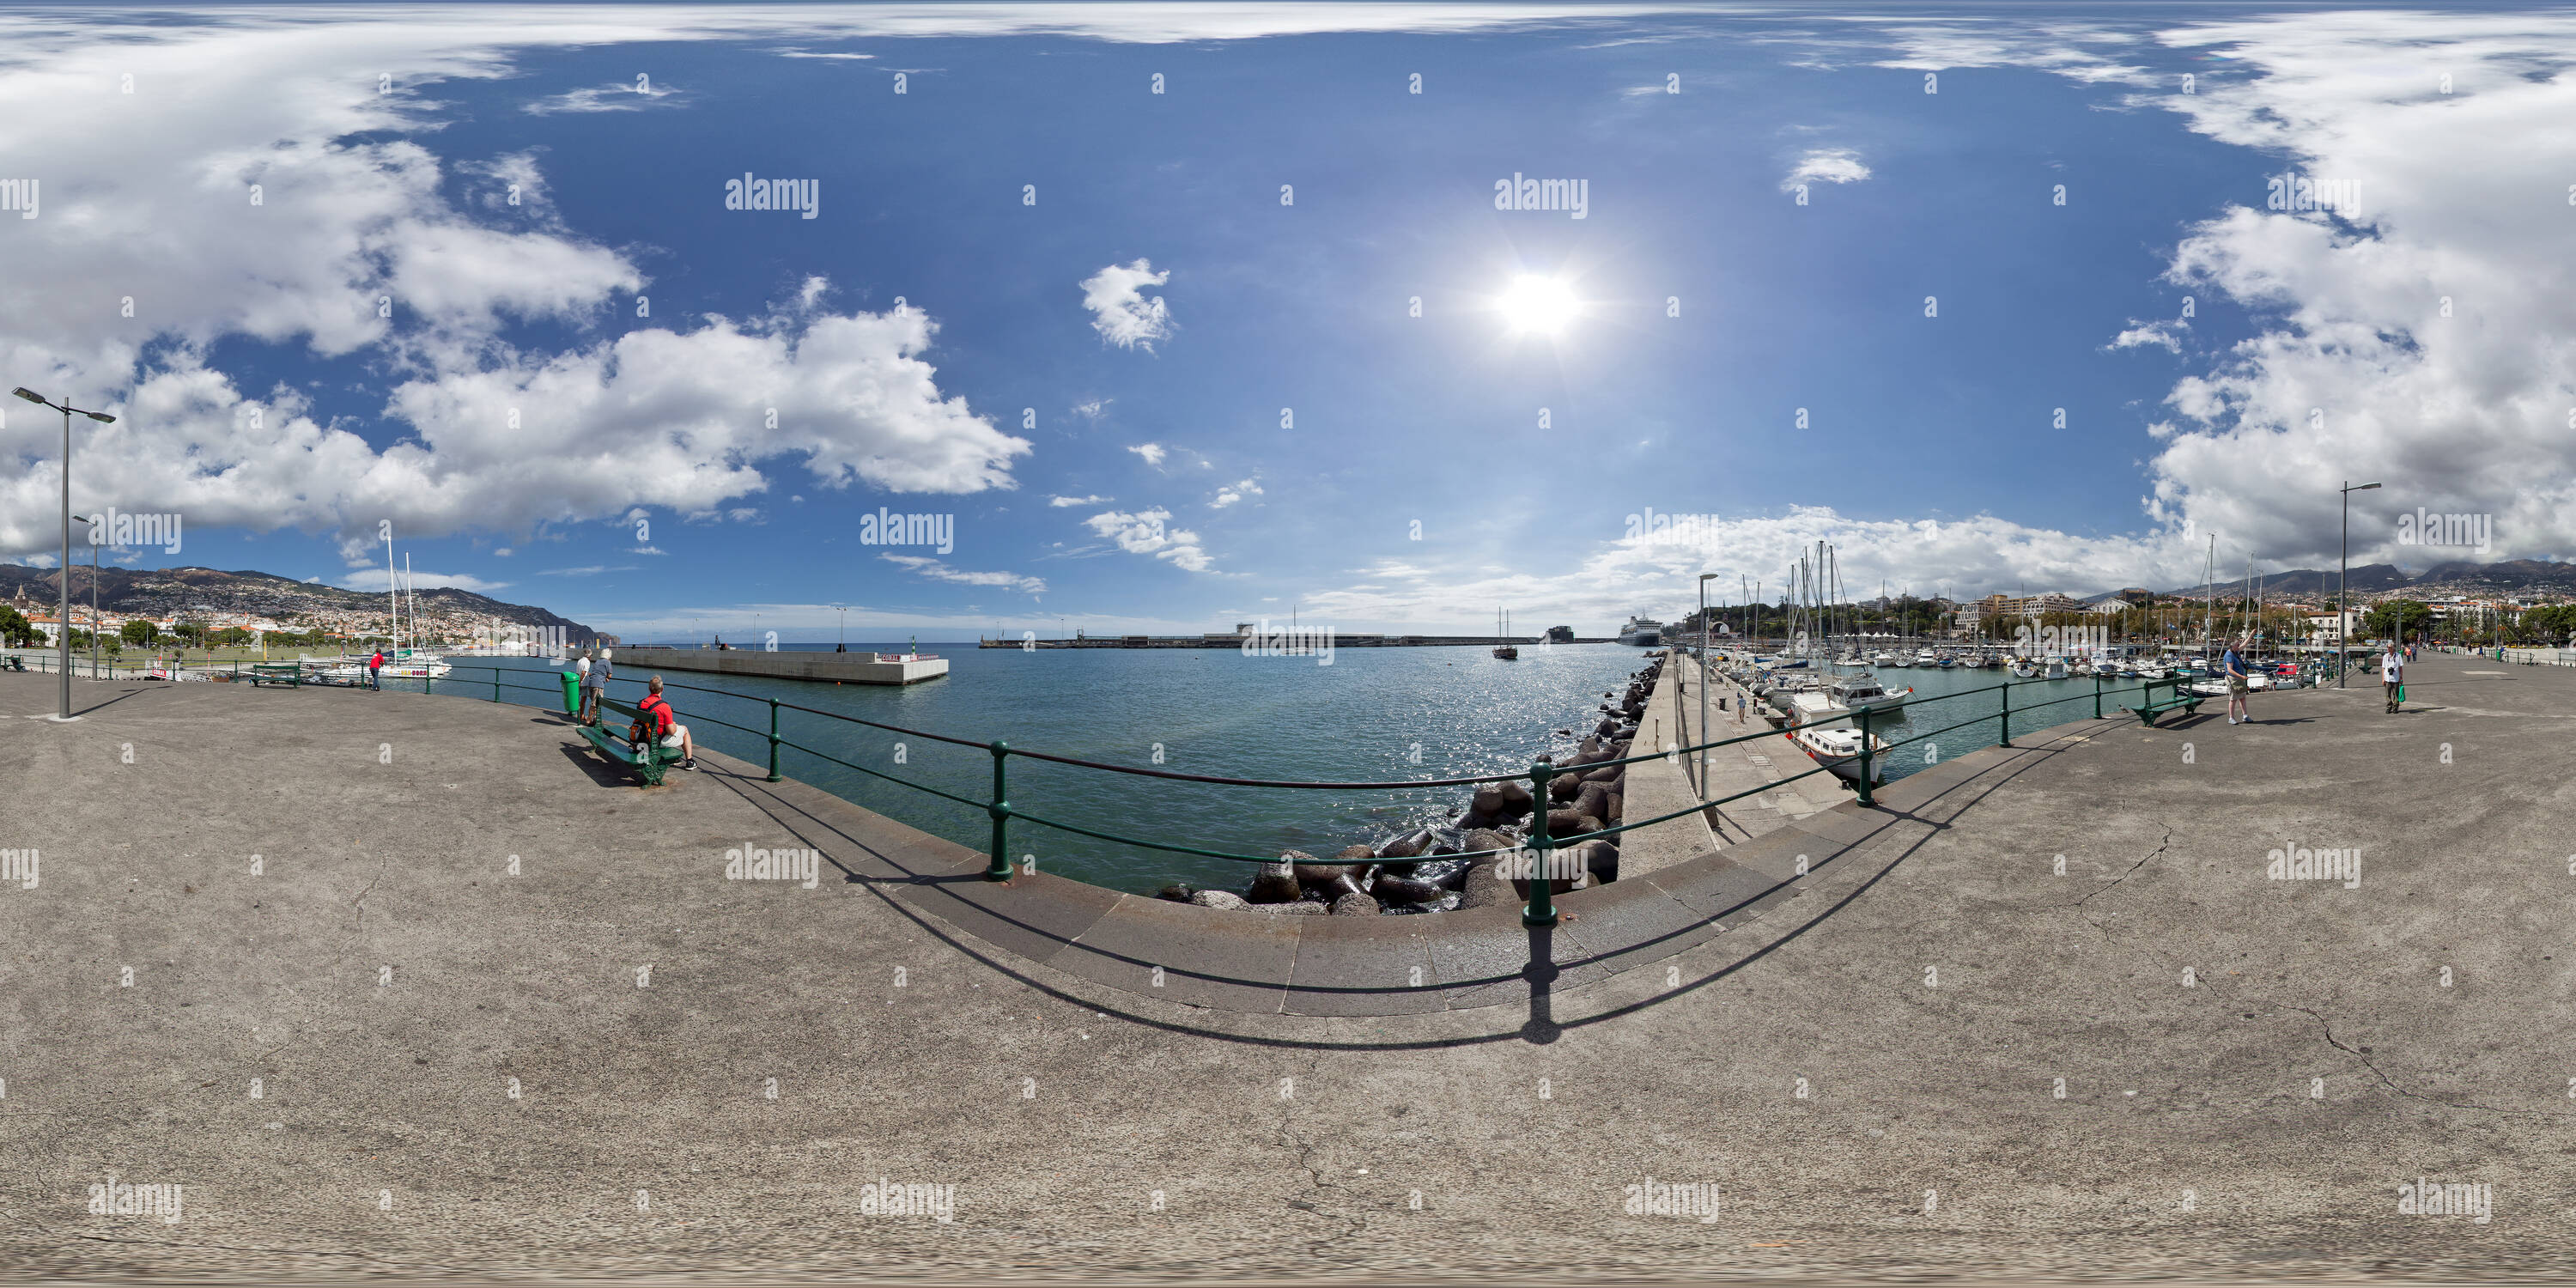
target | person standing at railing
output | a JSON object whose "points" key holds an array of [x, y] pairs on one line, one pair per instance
{"points": [[588, 692], [2233, 666], [376, 670]]}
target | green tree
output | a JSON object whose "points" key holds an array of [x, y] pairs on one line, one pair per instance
{"points": [[140, 631], [2401, 619], [15, 630]]}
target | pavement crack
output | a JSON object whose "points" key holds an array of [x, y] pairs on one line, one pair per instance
{"points": [[2390, 1083], [2161, 847], [1315, 1182], [361, 900]]}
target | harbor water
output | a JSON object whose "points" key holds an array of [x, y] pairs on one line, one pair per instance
{"points": [[1375, 715]]}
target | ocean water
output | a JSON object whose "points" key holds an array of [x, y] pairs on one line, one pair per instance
{"points": [[1373, 715]]}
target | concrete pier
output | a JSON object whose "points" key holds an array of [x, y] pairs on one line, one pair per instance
{"points": [[2043, 1014], [846, 668]]}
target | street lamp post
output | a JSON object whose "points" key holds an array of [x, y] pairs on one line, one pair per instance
{"points": [[844, 611], [1703, 684], [2343, 587], [63, 623], [93, 521]]}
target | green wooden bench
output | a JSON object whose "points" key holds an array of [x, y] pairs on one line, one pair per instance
{"points": [[647, 763], [13, 663], [267, 673], [2182, 700]]}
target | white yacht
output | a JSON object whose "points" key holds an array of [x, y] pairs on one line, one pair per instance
{"points": [[2055, 669], [1838, 749], [1927, 657]]}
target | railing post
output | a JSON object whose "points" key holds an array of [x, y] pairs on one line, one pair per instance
{"points": [[496, 684], [1541, 909], [426, 680], [1867, 761], [2097, 695], [1000, 809], [773, 740], [2003, 723]]}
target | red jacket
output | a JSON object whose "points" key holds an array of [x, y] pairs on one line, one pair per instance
{"points": [[655, 711]]}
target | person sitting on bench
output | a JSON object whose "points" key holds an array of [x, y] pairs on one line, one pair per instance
{"points": [[653, 717]]}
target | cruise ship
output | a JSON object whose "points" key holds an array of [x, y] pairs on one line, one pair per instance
{"points": [[1644, 632]]}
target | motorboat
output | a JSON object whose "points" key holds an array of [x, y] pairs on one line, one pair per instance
{"points": [[2055, 668], [2023, 669], [1926, 657], [1838, 749]]}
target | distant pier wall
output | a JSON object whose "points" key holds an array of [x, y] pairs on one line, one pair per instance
{"points": [[845, 668]]}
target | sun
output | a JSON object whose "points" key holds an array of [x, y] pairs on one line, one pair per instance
{"points": [[1541, 304]]}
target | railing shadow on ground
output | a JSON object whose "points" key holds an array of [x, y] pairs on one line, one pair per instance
{"points": [[1541, 971]]}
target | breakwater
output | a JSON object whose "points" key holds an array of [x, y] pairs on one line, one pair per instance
{"points": [[839, 668], [1465, 861]]}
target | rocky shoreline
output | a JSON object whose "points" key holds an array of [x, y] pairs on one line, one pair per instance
{"points": [[1415, 872]]}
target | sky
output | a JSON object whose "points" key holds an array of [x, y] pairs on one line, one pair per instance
{"points": [[1163, 317]]}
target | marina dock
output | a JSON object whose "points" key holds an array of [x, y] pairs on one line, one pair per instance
{"points": [[842, 668]]}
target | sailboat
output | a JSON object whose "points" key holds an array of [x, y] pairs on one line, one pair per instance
{"points": [[1503, 647]]}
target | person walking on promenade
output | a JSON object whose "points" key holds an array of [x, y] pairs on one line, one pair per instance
{"points": [[2233, 667], [589, 693], [2392, 675]]}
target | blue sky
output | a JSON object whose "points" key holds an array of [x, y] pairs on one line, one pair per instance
{"points": [[1281, 429]]}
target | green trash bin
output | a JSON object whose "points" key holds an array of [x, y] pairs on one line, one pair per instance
{"points": [[572, 693]]}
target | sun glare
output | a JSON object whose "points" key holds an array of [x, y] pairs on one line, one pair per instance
{"points": [[1540, 304]]}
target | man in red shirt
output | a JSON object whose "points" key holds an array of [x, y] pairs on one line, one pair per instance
{"points": [[653, 718], [375, 666]]}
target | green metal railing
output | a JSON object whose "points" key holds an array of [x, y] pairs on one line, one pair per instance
{"points": [[1537, 853]]}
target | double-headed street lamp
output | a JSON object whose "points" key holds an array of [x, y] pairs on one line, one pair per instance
{"points": [[63, 635], [2343, 590]]}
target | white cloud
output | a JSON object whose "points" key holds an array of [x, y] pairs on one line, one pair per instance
{"points": [[156, 203], [1093, 409], [1062, 501], [591, 570], [1226, 496], [937, 571], [616, 96], [372, 580], [1152, 452], [2166, 335], [1147, 532], [1826, 165], [1119, 310]]}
